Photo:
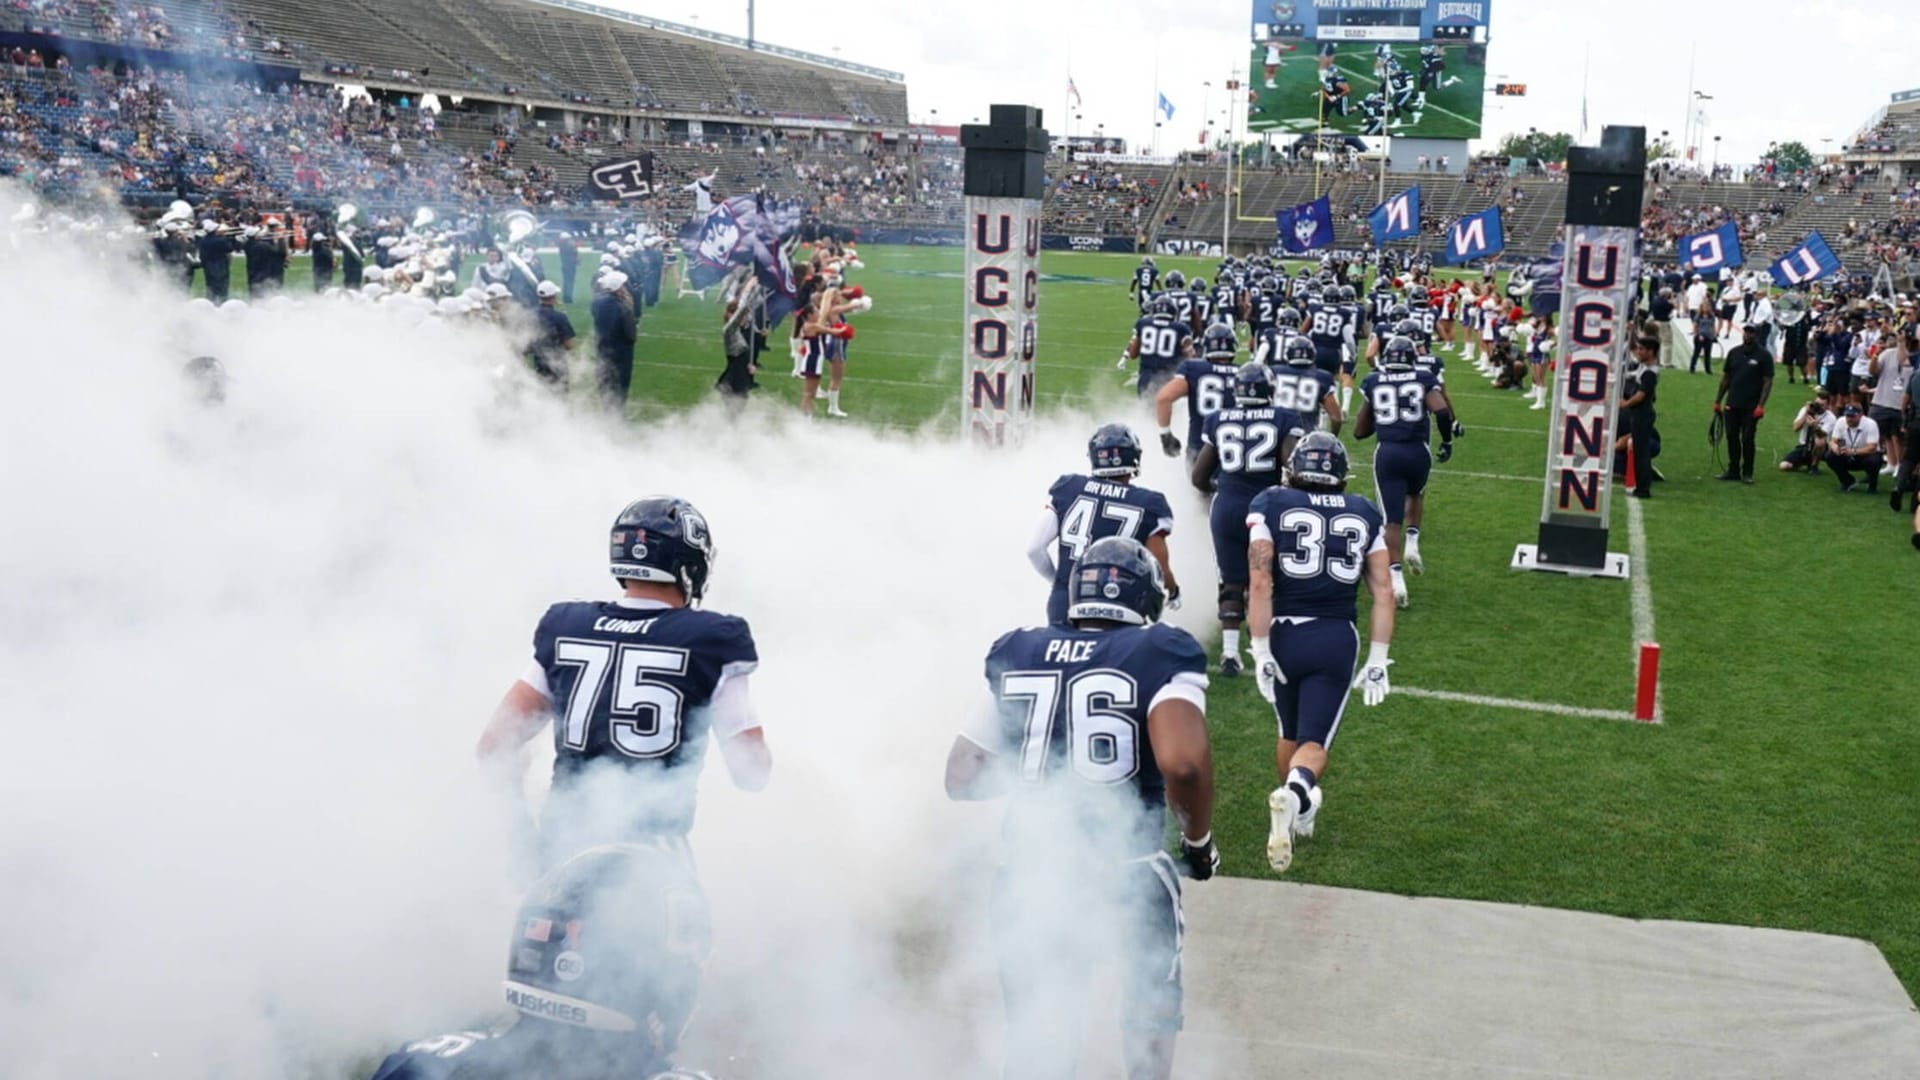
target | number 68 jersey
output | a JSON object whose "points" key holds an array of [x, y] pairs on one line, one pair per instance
{"points": [[1070, 715], [1321, 541], [631, 685]]}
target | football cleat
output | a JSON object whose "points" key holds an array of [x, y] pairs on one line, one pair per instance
{"points": [[1399, 589], [1230, 667], [1413, 560], [1303, 821], [1280, 817]]}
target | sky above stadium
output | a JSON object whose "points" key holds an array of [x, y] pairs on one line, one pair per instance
{"points": [[958, 58]]}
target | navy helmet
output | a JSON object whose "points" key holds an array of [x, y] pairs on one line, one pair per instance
{"points": [[1117, 579], [1400, 353], [663, 539], [1219, 341], [1417, 297], [1176, 280], [1398, 312], [1319, 461], [1347, 294], [1288, 317], [1253, 384], [1161, 304], [1199, 285], [1299, 351], [1114, 450], [612, 942]]}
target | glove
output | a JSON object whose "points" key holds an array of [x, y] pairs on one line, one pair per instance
{"points": [[1122, 365], [1372, 680], [1459, 429], [1759, 411], [1170, 443], [1201, 858], [1173, 597], [1716, 406], [1266, 671], [1446, 452]]}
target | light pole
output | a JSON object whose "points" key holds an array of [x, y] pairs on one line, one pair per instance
{"points": [[1716, 153]]}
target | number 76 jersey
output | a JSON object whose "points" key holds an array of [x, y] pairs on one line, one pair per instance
{"points": [[1321, 541]]}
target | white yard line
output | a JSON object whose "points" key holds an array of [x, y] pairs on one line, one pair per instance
{"points": [[1552, 707], [1642, 594], [1440, 470]]}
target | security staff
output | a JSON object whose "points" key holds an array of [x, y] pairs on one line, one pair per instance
{"points": [[553, 337], [616, 328], [1638, 391], [1746, 381]]}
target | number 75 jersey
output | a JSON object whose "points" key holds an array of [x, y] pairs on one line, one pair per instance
{"points": [[1070, 717], [1321, 541], [631, 686]]}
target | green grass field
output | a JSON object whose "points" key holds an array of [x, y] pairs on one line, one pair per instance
{"points": [[1293, 104], [1780, 791]]}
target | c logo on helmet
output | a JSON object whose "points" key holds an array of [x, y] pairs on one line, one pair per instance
{"points": [[569, 966]]}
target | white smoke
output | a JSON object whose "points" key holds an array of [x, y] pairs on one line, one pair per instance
{"points": [[248, 650]]}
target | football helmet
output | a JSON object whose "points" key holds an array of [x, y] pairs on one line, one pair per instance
{"points": [[1218, 342], [1113, 451], [1399, 354], [1398, 312], [663, 538], [1161, 304], [1299, 351], [1288, 317], [1417, 297], [1176, 280], [1253, 385], [1347, 294], [1319, 461], [1119, 580], [1198, 285], [1410, 328]]}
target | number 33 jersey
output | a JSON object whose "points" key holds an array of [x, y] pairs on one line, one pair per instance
{"points": [[1321, 541], [1070, 716], [631, 684]]}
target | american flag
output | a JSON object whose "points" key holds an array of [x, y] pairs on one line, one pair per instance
{"points": [[538, 930], [1073, 91]]}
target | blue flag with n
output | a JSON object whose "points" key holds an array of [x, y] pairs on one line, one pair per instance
{"points": [[1307, 227], [1476, 236], [1712, 249], [1397, 218], [1809, 262]]}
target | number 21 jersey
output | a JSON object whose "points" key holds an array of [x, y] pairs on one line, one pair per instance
{"points": [[1321, 541]]}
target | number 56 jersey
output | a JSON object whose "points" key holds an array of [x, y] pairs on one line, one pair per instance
{"points": [[631, 683], [1070, 712]]}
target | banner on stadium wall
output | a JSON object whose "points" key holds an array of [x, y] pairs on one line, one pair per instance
{"points": [[1066, 242], [1188, 247], [1906, 95], [1002, 313]]}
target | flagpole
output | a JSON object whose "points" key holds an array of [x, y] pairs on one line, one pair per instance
{"points": [[1686, 127], [1586, 69], [1154, 146]]}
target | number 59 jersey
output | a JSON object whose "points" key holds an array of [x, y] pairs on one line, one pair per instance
{"points": [[1070, 716], [1088, 508], [1321, 541], [631, 686]]}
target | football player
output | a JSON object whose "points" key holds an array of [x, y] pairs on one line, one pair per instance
{"points": [[1105, 502], [1301, 386], [1427, 358], [602, 976], [1394, 403], [1263, 303], [1202, 305], [1381, 300], [1330, 331], [1312, 544], [1242, 452], [1399, 85], [1177, 294], [1206, 384], [1141, 285], [1336, 94], [1161, 339], [1373, 114], [634, 689], [1345, 300], [1094, 730], [1229, 302], [1433, 71]]}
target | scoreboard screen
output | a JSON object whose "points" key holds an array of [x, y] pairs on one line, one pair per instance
{"points": [[1457, 21]]}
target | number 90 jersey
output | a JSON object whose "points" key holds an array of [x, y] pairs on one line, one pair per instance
{"points": [[1070, 715], [1321, 541], [631, 687], [1089, 508]]}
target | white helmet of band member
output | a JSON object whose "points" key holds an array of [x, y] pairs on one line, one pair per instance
{"points": [[497, 291], [546, 290], [611, 281]]}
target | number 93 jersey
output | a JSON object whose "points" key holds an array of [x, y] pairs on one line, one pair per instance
{"points": [[1089, 508], [1399, 403], [630, 687], [1070, 715], [1321, 541]]}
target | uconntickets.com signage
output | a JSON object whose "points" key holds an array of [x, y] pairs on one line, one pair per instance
{"points": [[1598, 282], [1002, 320]]}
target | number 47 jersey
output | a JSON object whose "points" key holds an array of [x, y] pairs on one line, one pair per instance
{"points": [[1070, 715], [1088, 508], [631, 684]]}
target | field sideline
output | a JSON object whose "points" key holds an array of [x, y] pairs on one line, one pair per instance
{"points": [[1776, 793]]}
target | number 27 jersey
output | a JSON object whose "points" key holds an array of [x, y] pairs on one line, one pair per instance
{"points": [[1321, 541]]}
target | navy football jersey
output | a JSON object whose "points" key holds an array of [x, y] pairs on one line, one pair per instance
{"points": [[1163, 340], [1089, 508], [1320, 545], [1263, 305], [1226, 301], [1182, 306], [1202, 308], [1209, 389], [1072, 710], [1432, 363], [630, 686], [1383, 301], [1251, 443], [1327, 327], [527, 1050], [1301, 389], [1399, 401], [1144, 279]]}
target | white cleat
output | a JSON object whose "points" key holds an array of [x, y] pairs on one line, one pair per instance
{"points": [[1280, 829], [1414, 562], [1303, 823], [820, 394], [839, 415], [1399, 589]]}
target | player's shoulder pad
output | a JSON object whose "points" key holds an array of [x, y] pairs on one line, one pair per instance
{"points": [[1154, 500], [1007, 643], [557, 615], [1067, 484], [1180, 648], [727, 635]]}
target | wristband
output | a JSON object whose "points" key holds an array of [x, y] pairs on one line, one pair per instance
{"points": [[1261, 647], [1377, 654]]}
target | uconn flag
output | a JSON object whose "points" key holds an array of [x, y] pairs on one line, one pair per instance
{"points": [[1397, 218], [1809, 262], [1476, 236], [1712, 250], [1306, 227]]}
